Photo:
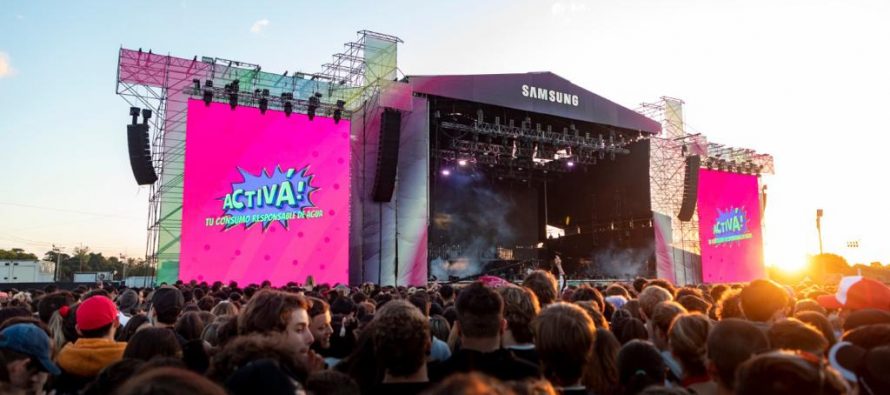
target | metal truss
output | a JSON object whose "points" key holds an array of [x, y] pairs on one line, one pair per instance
{"points": [[516, 151], [164, 84]]}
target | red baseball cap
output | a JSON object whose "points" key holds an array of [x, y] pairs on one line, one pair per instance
{"points": [[857, 292], [95, 312]]}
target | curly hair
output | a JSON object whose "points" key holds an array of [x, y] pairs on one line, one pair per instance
{"points": [[402, 338], [729, 305], [245, 349]]}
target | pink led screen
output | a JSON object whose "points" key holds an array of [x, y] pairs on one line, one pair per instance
{"points": [[265, 196], [729, 227]]}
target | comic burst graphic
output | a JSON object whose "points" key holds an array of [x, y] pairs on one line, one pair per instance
{"points": [[730, 226], [264, 194]]}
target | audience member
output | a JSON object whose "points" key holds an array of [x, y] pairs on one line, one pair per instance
{"points": [[520, 308], [732, 341], [564, 340], [784, 372], [25, 351], [639, 366], [480, 324]]}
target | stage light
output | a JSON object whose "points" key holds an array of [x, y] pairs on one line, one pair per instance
{"points": [[264, 105], [286, 97], [233, 100], [314, 102], [196, 83], [288, 109], [462, 162], [338, 113], [570, 164], [208, 92], [446, 172]]}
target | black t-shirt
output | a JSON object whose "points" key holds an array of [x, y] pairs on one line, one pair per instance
{"points": [[527, 354], [501, 364], [400, 388]]}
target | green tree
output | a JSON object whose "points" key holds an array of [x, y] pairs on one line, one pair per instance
{"points": [[17, 254]]}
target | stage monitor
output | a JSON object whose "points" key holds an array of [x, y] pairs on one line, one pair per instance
{"points": [[729, 227], [265, 196]]}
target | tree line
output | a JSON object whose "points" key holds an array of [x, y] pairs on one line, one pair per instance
{"points": [[84, 260]]}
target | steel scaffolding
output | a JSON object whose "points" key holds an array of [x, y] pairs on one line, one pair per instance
{"points": [[668, 178], [164, 84]]}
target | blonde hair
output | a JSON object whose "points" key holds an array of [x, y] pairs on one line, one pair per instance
{"points": [[687, 339], [651, 296], [224, 308], [664, 314]]}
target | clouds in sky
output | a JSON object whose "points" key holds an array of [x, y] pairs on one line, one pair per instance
{"points": [[259, 26], [5, 66]]}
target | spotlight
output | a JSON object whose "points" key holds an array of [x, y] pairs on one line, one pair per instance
{"points": [[264, 105], [288, 109], [338, 113], [286, 97], [208, 92], [462, 162], [446, 172], [570, 164], [314, 102]]}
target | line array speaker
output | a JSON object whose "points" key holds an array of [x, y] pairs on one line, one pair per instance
{"points": [[140, 154], [690, 188], [387, 155]]}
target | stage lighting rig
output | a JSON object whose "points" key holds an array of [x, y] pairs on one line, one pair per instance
{"points": [[208, 92], [287, 98], [314, 103], [264, 101], [232, 89], [338, 112]]}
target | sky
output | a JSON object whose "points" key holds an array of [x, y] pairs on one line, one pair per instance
{"points": [[805, 81]]}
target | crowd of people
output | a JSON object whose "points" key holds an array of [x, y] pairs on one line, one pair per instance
{"points": [[486, 337]]}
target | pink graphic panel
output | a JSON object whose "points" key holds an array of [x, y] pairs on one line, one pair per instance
{"points": [[266, 196], [729, 227]]}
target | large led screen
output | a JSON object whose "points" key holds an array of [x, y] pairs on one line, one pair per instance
{"points": [[729, 227], [265, 196]]}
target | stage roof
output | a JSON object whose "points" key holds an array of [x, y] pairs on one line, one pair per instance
{"points": [[540, 92]]}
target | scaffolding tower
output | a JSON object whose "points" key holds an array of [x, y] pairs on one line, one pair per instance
{"points": [[164, 84]]}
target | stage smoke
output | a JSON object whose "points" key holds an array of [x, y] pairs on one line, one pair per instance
{"points": [[620, 262], [475, 217]]}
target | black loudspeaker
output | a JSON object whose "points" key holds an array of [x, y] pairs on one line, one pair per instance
{"points": [[690, 188], [387, 155], [140, 154]]}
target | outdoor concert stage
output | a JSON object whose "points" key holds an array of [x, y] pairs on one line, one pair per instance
{"points": [[360, 174]]}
